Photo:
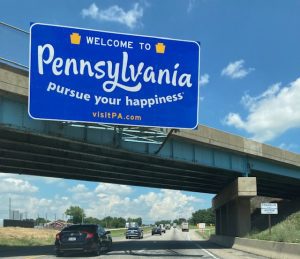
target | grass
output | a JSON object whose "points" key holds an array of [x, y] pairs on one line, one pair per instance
{"points": [[15, 236], [206, 233], [118, 233], [192, 226], [286, 231]]}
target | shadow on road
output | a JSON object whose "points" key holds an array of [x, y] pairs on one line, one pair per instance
{"points": [[149, 248], [10, 251]]}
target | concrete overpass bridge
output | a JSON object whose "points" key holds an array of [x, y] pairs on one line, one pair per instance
{"points": [[204, 160]]}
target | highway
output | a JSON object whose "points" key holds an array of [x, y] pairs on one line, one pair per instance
{"points": [[173, 244]]}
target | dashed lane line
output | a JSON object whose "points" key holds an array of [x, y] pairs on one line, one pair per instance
{"points": [[204, 250]]}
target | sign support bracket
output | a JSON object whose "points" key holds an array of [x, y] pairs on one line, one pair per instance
{"points": [[165, 140]]}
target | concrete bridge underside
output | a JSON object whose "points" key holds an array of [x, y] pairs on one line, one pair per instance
{"points": [[36, 154]]}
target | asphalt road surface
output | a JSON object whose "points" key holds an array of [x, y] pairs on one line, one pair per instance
{"points": [[173, 244]]}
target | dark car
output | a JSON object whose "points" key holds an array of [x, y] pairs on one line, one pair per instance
{"points": [[83, 238], [156, 230], [134, 232]]}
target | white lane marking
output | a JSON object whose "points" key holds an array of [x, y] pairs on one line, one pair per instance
{"points": [[209, 253], [188, 237], [199, 246]]}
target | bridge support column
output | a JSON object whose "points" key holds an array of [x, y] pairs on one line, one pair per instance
{"points": [[232, 207]]}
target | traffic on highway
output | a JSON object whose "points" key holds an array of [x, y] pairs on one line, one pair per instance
{"points": [[175, 243]]}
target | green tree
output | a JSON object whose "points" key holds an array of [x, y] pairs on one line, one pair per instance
{"points": [[106, 222], [112, 222], [139, 221], [41, 221], [163, 222], [76, 214], [91, 220], [118, 222], [203, 216]]}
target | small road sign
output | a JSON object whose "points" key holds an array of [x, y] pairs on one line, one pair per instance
{"points": [[269, 208]]}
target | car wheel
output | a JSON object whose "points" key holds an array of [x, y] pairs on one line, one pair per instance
{"points": [[109, 246], [98, 250], [59, 254]]}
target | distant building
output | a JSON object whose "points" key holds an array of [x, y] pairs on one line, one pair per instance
{"points": [[15, 215]]}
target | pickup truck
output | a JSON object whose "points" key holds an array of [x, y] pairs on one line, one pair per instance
{"points": [[185, 226]]}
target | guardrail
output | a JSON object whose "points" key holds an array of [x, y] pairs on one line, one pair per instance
{"points": [[270, 249]]}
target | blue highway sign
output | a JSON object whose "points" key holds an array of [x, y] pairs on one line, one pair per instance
{"points": [[104, 77]]}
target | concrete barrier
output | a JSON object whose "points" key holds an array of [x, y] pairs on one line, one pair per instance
{"points": [[270, 249]]}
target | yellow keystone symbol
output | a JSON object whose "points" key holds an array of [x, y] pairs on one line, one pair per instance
{"points": [[160, 48], [75, 38]]}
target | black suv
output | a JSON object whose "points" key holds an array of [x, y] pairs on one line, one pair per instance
{"points": [[134, 232], [156, 230], [83, 238]]}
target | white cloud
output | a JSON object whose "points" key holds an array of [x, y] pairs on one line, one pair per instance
{"points": [[34, 178], [108, 188], [236, 70], [289, 147], [234, 119], [191, 5], [100, 201], [51, 180], [16, 185], [271, 113], [115, 13], [82, 193], [6, 175], [32, 206], [251, 102], [168, 204], [204, 79], [78, 188], [163, 204]]}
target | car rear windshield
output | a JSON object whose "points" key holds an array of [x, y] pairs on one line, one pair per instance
{"points": [[88, 228], [133, 228]]}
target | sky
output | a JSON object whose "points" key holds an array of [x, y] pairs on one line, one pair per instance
{"points": [[249, 86]]}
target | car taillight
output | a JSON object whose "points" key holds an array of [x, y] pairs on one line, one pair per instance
{"points": [[58, 236], [89, 235]]}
